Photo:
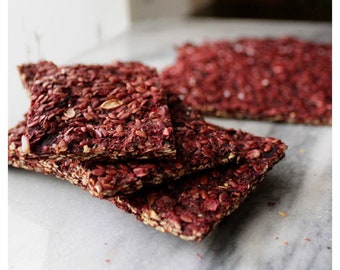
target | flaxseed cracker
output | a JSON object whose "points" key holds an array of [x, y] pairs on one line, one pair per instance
{"points": [[189, 207], [192, 206], [118, 111], [282, 79], [199, 146]]}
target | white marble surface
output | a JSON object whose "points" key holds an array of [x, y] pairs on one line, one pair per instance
{"points": [[54, 225]]}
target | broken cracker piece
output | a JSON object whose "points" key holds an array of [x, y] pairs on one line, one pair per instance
{"points": [[199, 146], [117, 111], [281, 80], [192, 206]]}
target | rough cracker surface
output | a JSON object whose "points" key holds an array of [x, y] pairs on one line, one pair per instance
{"points": [[192, 206], [189, 207], [283, 80], [117, 110], [199, 146]]}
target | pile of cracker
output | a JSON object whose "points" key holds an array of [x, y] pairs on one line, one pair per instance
{"points": [[124, 133]]}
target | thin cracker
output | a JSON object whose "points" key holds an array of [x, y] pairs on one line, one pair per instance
{"points": [[117, 111], [281, 80], [191, 207], [199, 146]]}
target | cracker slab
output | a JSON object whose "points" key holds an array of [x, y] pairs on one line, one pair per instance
{"points": [[281, 80], [199, 146], [118, 111], [191, 207]]}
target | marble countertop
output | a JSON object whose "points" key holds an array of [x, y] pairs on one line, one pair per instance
{"points": [[54, 225]]}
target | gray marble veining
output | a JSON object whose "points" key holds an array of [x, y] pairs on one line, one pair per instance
{"points": [[54, 225]]}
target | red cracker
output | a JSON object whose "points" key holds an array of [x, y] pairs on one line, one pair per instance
{"points": [[191, 207], [199, 146], [117, 110], [281, 80]]}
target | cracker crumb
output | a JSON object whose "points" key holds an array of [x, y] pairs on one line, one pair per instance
{"points": [[199, 255], [282, 214]]}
